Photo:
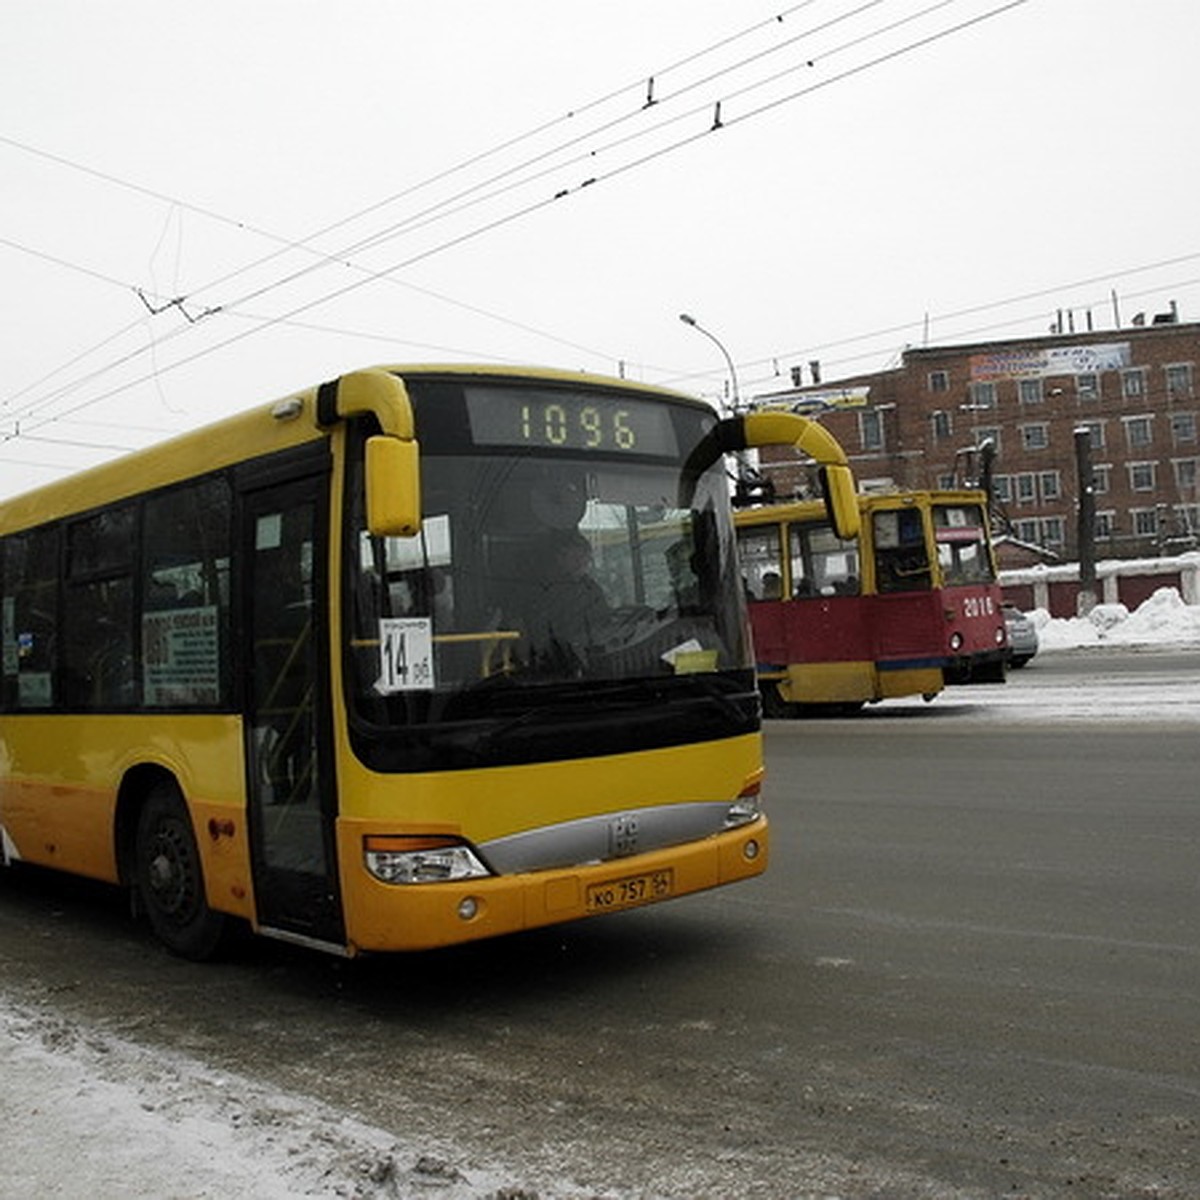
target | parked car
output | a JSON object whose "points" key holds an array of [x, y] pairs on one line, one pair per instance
{"points": [[1022, 636]]}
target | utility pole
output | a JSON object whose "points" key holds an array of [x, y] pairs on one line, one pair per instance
{"points": [[1086, 532]]}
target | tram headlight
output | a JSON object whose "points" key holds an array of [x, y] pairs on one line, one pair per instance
{"points": [[956, 642], [393, 858]]}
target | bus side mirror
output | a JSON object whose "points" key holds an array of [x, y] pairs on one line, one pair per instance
{"points": [[393, 487], [837, 483]]}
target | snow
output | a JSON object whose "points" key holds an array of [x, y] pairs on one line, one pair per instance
{"points": [[1162, 620], [85, 1113]]}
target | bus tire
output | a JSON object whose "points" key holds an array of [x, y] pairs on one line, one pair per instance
{"points": [[169, 878]]}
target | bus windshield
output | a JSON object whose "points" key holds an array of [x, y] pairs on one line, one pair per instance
{"points": [[556, 583]]}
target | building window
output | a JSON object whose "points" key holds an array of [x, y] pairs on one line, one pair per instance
{"points": [[1050, 485], [1187, 518], [1145, 521], [1183, 428], [982, 395], [1087, 386], [1139, 432], [1027, 488], [939, 381], [1133, 383], [947, 482], [1179, 381], [1027, 531], [1101, 475], [1052, 531], [1106, 524], [1030, 391], [870, 427], [983, 436], [1141, 477], [1035, 437], [941, 425], [1096, 429], [1002, 488], [1186, 473]]}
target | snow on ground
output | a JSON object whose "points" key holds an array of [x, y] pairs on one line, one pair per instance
{"points": [[1163, 620], [86, 1114], [1044, 697]]}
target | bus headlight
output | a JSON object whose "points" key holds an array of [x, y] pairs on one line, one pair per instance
{"points": [[395, 859], [743, 810], [956, 642]]}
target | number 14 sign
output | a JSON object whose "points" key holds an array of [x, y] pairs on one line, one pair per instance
{"points": [[405, 655]]}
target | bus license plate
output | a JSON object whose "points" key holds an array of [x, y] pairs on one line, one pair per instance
{"points": [[630, 891]]}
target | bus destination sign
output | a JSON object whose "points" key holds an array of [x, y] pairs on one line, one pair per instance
{"points": [[566, 420]]}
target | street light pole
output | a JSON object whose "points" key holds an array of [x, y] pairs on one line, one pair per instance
{"points": [[748, 483], [1086, 529], [688, 319]]}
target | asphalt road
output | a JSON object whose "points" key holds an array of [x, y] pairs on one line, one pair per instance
{"points": [[973, 969]]}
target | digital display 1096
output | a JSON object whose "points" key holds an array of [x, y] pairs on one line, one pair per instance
{"points": [[562, 420]]}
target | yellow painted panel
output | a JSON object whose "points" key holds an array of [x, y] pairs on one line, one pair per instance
{"points": [[492, 803], [921, 681], [59, 778], [830, 683]]}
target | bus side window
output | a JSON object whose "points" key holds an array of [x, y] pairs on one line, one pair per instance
{"points": [[29, 619], [186, 596], [98, 614]]}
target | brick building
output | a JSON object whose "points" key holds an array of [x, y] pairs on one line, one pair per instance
{"points": [[923, 424]]}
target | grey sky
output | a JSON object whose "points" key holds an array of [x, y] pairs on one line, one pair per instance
{"points": [[889, 192]]}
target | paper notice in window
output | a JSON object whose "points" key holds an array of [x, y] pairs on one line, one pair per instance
{"points": [[405, 655]]}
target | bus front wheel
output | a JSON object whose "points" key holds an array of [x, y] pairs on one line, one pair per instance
{"points": [[170, 881]]}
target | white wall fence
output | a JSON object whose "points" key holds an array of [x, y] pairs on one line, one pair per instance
{"points": [[1127, 581]]}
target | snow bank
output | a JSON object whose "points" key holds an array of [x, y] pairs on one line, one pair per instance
{"points": [[85, 1113], [1162, 620]]}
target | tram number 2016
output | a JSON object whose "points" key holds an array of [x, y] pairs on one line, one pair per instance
{"points": [[584, 427], [978, 606]]}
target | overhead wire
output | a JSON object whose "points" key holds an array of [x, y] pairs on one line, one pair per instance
{"points": [[373, 275], [286, 245], [891, 331]]}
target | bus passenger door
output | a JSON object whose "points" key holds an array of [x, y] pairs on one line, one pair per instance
{"points": [[292, 806]]}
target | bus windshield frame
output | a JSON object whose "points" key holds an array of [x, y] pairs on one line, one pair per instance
{"points": [[560, 600]]}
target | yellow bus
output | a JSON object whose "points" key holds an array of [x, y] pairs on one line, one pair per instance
{"points": [[399, 661]]}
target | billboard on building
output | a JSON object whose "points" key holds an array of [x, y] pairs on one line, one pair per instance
{"points": [[855, 396], [1052, 360]]}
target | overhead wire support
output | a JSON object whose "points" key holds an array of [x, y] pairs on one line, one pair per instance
{"points": [[178, 303]]}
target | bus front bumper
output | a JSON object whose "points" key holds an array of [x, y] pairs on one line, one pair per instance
{"points": [[397, 917]]}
